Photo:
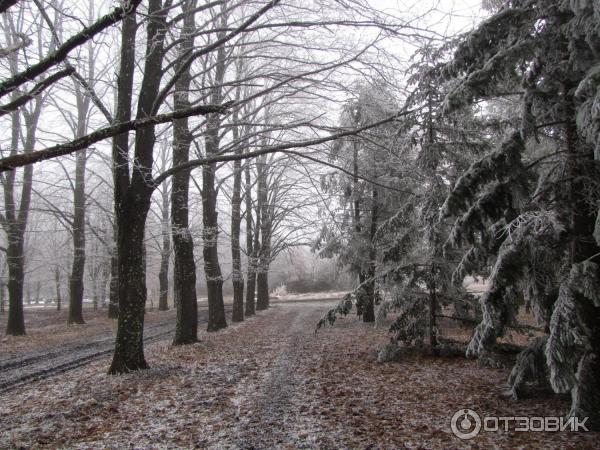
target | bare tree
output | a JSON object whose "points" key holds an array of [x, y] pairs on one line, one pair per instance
{"points": [[184, 271], [14, 219]]}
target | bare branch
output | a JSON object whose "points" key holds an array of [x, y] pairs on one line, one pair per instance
{"points": [[14, 161], [209, 48], [61, 53], [37, 89], [271, 149]]}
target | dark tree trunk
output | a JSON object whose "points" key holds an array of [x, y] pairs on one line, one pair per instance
{"points": [[120, 147], [78, 268], [250, 247], [184, 270], [369, 307], [129, 349], [212, 269], [433, 307], [113, 290], [165, 254], [163, 280], [57, 285], [237, 314], [262, 290], [356, 218], [132, 199], [17, 221], [264, 255], [104, 280], [2, 296], [15, 325], [210, 232]]}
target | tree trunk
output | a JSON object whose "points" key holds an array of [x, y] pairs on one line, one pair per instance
{"points": [[165, 254], [184, 278], [264, 255], [78, 268], [262, 290], [369, 307], [129, 349], [57, 286], [163, 279], [15, 325], [433, 306], [132, 198], [250, 247], [210, 232], [113, 294], [184, 270], [120, 146], [17, 222], [237, 314], [212, 269], [2, 297], [356, 218], [104, 280]]}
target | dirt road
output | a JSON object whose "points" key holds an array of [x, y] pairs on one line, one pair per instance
{"points": [[272, 383]]}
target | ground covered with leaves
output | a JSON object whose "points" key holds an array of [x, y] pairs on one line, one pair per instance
{"points": [[47, 328], [272, 382]]}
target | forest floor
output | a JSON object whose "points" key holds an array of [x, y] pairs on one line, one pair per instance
{"points": [[272, 382], [47, 329]]}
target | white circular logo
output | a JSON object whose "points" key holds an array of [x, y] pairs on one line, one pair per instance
{"points": [[465, 424]]}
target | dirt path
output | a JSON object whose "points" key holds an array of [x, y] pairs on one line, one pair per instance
{"points": [[272, 383], [272, 415]]}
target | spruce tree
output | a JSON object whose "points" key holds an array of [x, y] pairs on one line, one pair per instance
{"points": [[435, 149], [530, 204], [360, 193]]}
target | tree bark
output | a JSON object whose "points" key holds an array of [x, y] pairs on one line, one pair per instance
{"points": [[57, 286], [129, 346], [237, 314], [184, 271], [76, 282], [369, 307], [433, 307], [113, 294], [212, 269], [210, 232], [356, 217], [250, 247], [15, 220], [165, 255], [2, 296], [78, 267], [264, 254], [120, 147], [15, 325], [132, 203]]}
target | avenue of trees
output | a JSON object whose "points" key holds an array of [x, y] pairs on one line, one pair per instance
{"points": [[198, 142], [151, 119]]}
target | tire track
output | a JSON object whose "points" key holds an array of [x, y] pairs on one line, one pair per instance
{"points": [[20, 370]]}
